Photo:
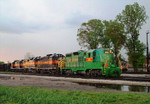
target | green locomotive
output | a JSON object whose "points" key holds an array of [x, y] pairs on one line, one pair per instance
{"points": [[92, 63]]}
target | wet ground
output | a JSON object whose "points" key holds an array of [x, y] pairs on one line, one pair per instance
{"points": [[126, 88], [56, 84], [46, 83]]}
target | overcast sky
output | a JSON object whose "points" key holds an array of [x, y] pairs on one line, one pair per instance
{"points": [[50, 26]]}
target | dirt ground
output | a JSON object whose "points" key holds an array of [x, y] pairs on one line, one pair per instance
{"points": [[48, 84]]}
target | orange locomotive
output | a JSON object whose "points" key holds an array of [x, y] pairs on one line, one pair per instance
{"points": [[47, 63]]}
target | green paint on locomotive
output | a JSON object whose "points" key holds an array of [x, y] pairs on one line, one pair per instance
{"points": [[101, 59]]}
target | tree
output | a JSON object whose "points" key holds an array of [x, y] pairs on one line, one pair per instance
{"points": [[107, 34], [121, 58], [133, 17], [91, 34], [1, 62], [139, 54], [28, 55], [115, 32]]}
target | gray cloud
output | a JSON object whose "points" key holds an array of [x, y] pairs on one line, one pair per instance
{"points": [[14, 26], [57, 20], [76, 19], [23, 17]]}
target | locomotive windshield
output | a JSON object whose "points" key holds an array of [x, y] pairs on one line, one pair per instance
{"points": [[108, 51]]}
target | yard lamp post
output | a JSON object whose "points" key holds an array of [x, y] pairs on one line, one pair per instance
{"points": [[147, 51]]}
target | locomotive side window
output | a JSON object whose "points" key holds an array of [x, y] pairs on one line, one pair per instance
{"points": [[75, 53], [68, 55], [94, 55], [89, 55]]}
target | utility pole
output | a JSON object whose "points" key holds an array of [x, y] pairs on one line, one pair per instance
{"points": [[147, 51]]}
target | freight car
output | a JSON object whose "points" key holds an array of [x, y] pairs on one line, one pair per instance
{"points": [[92, 63], [5, 67]]}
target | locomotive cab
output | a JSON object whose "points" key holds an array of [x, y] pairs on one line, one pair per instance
{"points": [[110, 65], [105, 58]]}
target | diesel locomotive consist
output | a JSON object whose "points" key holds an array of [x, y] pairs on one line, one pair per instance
{"points": [[97, 62]]}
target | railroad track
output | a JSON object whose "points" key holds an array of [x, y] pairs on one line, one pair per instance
{"points": [[21, 77], [138, 79]]}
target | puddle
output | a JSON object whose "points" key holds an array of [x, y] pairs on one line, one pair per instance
{"points": [[104, 86], [120, 87]]}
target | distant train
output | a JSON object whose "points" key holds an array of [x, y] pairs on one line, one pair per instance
{"points": [[97, 62], [124, 66], [5, 67]]}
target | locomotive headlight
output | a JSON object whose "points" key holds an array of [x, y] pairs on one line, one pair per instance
{"points": [[111, 51]]}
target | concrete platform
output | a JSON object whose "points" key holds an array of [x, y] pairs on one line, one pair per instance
{"points": [[102, 81], [136, 75]]}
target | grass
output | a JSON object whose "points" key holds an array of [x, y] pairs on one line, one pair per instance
{"points": [[34, 95], [3, 72]]}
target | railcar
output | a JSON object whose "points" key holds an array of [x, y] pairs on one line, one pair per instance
{"points": [[49, 63], [92, 63], [15, 66], [21, 64], [2, 67], [5, 67], [37, 63], [30, 65], [124, 66]]}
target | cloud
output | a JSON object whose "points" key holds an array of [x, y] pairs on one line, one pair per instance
{"points": [[20, 16], [50, 26], [18, 27], [76, 19]]}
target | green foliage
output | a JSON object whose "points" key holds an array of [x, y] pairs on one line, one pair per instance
{"points": [[115, 32], [6, 72], [90, 34], [1, 62], [133, 17], [32, 95], [136, 56], [106, 34]]}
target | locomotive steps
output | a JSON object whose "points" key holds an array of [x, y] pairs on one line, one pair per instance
{"points": [[78, 80]]}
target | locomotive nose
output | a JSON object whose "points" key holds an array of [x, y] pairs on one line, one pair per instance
{"points": [[116, 72]]}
